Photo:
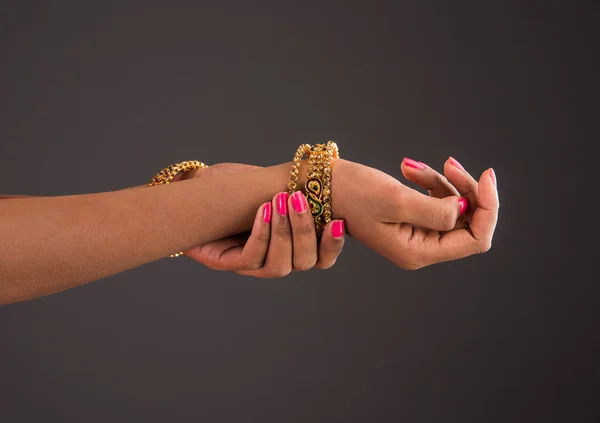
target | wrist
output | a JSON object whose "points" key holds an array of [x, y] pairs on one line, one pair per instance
{"points": [[340, 177], [339, 181]]}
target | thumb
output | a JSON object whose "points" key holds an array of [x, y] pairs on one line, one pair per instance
{"points": [[486, 214]]}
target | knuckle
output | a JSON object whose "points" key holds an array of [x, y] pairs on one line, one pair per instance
{"points": [[333, 246], [441, 179], [213, 256], [305, 228], [324, 265], [410, 265], [279, 271], [263, 237], [447, 219], [484, 246], [409, 261], [283, 231], [253, 264], [306, 264], [407, 265]]}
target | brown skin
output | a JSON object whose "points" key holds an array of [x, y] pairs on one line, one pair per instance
{"points": [[55, 243], [272, 249]]}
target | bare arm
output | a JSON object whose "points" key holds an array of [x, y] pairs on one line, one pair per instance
{"points": [[54, 243]]}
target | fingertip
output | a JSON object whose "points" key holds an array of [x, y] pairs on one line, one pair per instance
{"points": [[463, 204], [410, 163], [488, 193], [281, 201], [331, 245], [334, 232], [455, 163], [267, 212], [297, 202], [493, 177], [410, 169], [337, 229]]}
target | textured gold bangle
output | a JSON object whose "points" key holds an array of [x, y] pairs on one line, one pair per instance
{"points": [[318, 182], [166, 175]]}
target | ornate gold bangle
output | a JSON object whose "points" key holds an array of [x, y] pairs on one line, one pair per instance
{"points": [[166, 175], [318, 182]]}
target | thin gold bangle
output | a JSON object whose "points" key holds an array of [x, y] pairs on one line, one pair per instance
{"points": [[166, 175]]}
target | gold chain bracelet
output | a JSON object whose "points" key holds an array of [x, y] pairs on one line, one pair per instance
{"points": [[166, 175], [318, 181]]}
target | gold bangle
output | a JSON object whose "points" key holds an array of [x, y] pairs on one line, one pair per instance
{"points": [[318, 181], [166, 175]]}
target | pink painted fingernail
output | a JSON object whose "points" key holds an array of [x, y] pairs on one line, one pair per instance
{"points": [[455, 163], [299, 202], [267, 211], [463, 203], [493, 176], [282, 199], [337, 228], [414, 164]]}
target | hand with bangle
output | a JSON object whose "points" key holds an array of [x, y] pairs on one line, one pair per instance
{"points": [[410, 229], [226, 217], [299, 236]]}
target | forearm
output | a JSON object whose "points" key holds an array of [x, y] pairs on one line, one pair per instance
{"points": [[54, 243], [9, 197]]}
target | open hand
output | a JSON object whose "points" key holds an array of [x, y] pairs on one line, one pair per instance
{"points": [[409, 228]]}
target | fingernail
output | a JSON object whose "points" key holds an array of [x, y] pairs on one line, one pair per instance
{"points": [[299, 202], [282, 199], [463, 203], [493, 176], [455, 163], [414, 164], [267, 211], [337, 228]]}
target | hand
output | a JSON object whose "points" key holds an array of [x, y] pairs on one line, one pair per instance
{"points": [[283, 238], [407, 227]]}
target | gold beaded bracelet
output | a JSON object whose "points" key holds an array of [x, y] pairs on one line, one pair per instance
{"points": [[166, 175], [318, 182]]}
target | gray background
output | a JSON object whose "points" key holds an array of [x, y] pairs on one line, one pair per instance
{"points": [[99, 96]]}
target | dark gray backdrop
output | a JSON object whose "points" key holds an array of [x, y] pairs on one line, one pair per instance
{"points": [[97, 97]]}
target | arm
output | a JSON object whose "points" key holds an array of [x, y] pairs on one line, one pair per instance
{"points": [[51, 244], [54, 243], [8, 197]]}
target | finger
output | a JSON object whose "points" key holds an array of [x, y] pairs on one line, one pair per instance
{"points": [[485, 216], [304, 236], [426, 177], [331, 244], [252, 255], [440, 214], [255, 251], [462, 243], [211, 254], [279, 256], [463, 181], [238, 253]]}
